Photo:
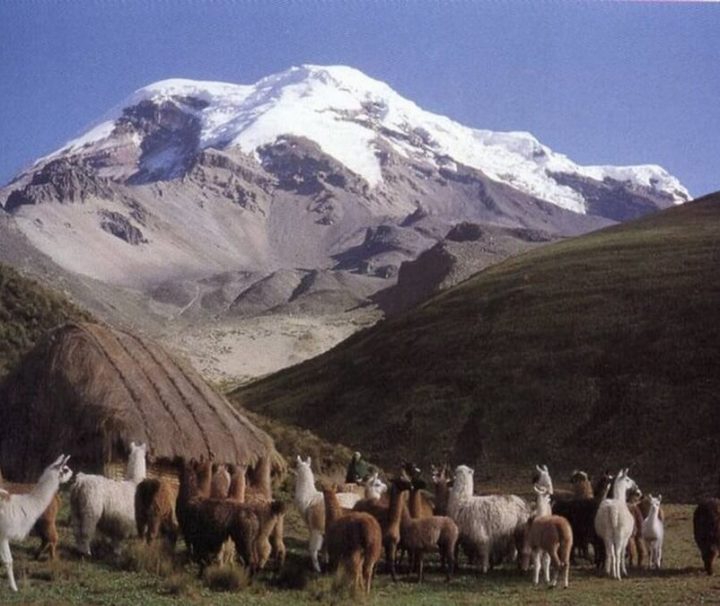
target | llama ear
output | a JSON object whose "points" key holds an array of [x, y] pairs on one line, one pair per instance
{"points": [[538, 468], [545, 469], [309, 461], [537, 489], [58, 462], [659, 498], [299, 460], [65, 460]]}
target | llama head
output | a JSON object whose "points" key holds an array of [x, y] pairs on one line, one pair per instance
{"points": [[59, 470], [655, 502], [463, 485], [303, 470], [375, 487], [542, 478], [440, 474], [624, 484], [410, 471], [578, 477]]}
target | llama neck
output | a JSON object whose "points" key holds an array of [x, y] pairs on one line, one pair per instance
{"points": [[442, 492], [238, 485], [204, 480], [415, 503], [43, 492], [654, 514], [542, 507], [333, 511], [619, 490], [395, 511], [136, 467]]}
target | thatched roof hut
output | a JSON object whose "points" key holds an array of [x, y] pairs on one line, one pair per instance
{"points": [[89, 390]]}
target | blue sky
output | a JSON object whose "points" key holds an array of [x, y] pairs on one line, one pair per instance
{"points": [[603, 82]]}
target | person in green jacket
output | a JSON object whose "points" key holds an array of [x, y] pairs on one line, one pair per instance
{"points": [[358, 469]]}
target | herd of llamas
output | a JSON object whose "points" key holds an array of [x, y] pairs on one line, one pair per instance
{"points": [[222, 518]]}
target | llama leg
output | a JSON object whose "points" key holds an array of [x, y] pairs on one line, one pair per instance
{"points": [[85, 527], [658, 554], [609, 563], [390, 557], [315, 544], [623, 562], [557, 564], [420, 566], [485, 556], [546, 566], [6, 558], [536, 567]]}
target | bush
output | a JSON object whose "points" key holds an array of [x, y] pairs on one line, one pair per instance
{"points": [[226, 578]]}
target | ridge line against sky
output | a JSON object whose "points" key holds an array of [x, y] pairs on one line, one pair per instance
{"points": [[602, 82]]}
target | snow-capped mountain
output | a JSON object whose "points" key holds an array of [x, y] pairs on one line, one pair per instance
{"points": [[350, 116], [302, 192]]}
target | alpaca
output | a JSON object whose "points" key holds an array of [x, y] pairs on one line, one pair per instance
{"points": [[653, 532], [46, 526], [155, 510], [220, 483], [706, 530], [99, 503], [614, 524], [486, 523], [19, 512], [548, 537], [420, 535], [309, 502], [353, 541]]}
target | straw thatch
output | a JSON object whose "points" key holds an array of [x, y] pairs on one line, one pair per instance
{"points": [[89, 390]]}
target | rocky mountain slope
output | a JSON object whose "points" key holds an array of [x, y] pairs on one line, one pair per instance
{"points": [[210, 204], [595, 351]]}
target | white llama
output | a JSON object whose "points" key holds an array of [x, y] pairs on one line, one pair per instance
{"points": [[99, 503], [19, 512], [653, 532], [614, 524], [309, 500]]}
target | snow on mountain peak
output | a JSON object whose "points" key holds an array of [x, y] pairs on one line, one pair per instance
{"points": [[343, 111]]}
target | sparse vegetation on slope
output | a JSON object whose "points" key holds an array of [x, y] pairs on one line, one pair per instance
{"points": [[600, 350], [27, 311]]}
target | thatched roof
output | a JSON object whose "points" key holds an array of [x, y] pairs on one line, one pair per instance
{"points": [[89, 390]]}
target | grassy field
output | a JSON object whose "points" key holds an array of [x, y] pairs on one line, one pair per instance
{"points": [[602, 350], [73, 581]]}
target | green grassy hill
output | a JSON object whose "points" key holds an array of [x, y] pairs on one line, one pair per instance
{"points": [[27, 311], [600, 350]]}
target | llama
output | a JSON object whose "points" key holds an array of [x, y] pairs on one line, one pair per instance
{"points": [[375, 488], [155, 510], [547, 537], [636, 551], [653, 532], [486, 523], [309, 502], [542, 479], [420, 535], [46, 526], [353, 541], [99, 503], [706, 530], [614, 524], [19, 512]]}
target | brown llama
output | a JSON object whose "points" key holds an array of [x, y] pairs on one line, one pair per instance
{"points": [[155, 500], [420, 535], [389, 517], [353, 541]]}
